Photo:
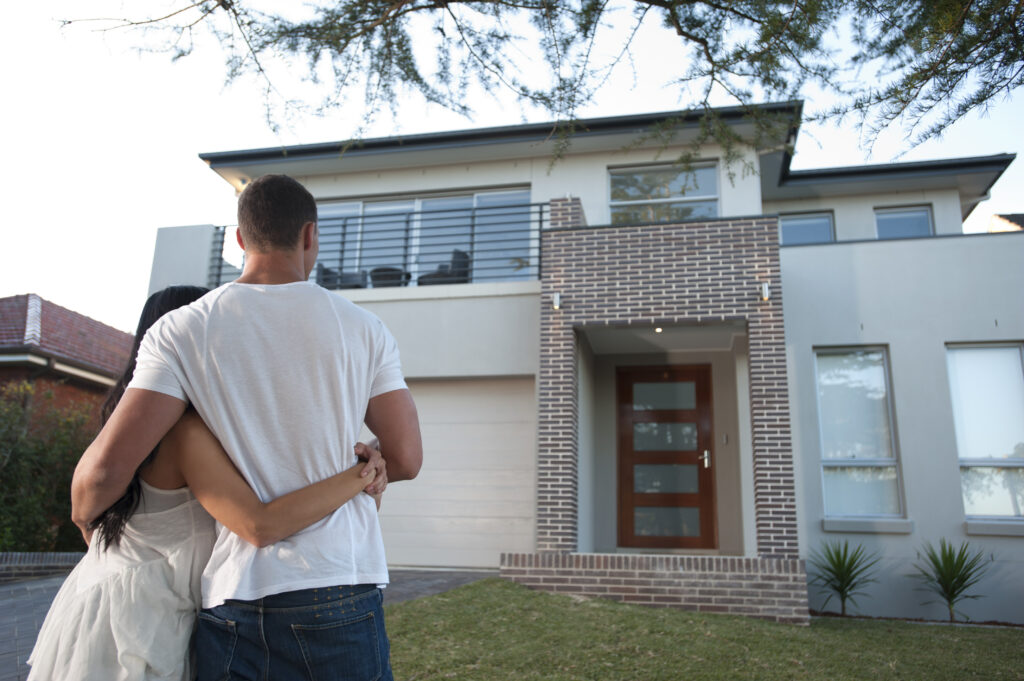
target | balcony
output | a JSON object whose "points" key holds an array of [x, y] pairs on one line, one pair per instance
{"points": [[413, 248]]}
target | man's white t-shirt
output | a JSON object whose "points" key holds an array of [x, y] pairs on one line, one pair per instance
{"points": [[282, 375]]}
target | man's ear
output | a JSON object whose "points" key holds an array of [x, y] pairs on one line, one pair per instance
{"points": [[308, 235], [238, 238]]}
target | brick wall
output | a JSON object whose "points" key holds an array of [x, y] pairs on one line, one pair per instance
{"points": [[67, 392], [682, 274], [689, 273], [767, 588]]}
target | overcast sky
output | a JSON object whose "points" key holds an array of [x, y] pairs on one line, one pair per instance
{"points": [[101, 147]]}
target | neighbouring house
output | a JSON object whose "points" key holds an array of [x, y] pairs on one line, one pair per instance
{"points": [[671, 384], [74, 357], [1006, 223]]}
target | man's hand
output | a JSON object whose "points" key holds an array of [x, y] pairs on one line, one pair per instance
{"points": [[374, 463]]}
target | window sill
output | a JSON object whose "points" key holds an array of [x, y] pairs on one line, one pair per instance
{"points": [[868, 525], [1005, 528]]}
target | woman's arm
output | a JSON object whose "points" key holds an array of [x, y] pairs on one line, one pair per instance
{"points": [[225, 494]]}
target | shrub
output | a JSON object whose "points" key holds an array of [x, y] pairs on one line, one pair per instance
{"points": [[950, 572], [39, 447], [842, 572]]}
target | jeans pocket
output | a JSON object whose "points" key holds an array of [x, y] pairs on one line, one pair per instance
{"points": [[215, 647], [345, 650]]}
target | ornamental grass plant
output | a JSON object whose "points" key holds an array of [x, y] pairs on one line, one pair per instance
{"points": [[950, 573], [842, 572]]}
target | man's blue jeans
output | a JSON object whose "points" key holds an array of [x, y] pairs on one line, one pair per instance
{"points": [[326, 634]]}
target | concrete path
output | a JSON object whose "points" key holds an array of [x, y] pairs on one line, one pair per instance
{"points": [[23, 606]]}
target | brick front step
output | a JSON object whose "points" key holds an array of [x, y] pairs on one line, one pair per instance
{"points": [[766, 588]]}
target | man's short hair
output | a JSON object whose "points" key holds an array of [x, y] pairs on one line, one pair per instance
{"points": [[271, 212]]}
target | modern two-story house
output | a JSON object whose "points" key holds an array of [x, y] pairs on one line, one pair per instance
{"points": [[671, 384]]}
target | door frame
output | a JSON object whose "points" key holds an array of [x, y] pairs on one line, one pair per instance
{"points": [[626, 498]]}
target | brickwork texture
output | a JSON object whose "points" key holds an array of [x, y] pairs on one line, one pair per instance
{"points": [[774, 589], [667, 274]]}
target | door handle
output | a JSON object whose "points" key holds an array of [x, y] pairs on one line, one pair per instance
{"points": [[706, 457]]}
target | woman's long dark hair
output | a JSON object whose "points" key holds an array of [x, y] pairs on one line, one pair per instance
{"points": [[110, 524]]}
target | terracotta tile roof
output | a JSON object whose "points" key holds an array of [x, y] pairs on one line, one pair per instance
{"points": [[29, 323]]}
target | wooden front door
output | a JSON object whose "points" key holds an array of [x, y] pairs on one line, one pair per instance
{"points": [[666, 463]]}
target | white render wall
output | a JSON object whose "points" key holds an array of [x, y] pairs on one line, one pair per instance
{"points": [[583, 175], [181, 257], [854, 216], [460, 330], [913, 297]]}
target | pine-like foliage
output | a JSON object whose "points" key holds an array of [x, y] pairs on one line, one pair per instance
{"points": [[921, 63]]}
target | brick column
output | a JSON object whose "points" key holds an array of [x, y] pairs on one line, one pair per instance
{"points": [[557, 429]]}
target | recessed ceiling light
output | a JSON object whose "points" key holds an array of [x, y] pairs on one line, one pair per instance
{"points": [[657, 329]]}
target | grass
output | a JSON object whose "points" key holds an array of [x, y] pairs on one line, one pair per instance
{"points": [[493, 630]]}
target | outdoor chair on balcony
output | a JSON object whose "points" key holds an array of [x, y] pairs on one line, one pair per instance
{"points": [[454, 272], [389, 276], [332, 279]]}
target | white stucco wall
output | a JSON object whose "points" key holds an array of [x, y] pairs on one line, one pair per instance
{"points": [[583, 175], [461, 330], [181, 256], [854, 216], [913, 297]]}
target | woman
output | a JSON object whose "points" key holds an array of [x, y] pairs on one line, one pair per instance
{"points": [[127, 610]]}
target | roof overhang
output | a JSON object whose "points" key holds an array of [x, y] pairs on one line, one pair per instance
{"points": [[972, 177], [32, 356], [484, 144]]}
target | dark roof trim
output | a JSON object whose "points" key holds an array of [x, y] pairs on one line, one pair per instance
{"points": [[996, 162], [511, 133]]}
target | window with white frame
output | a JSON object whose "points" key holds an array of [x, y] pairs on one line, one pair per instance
{"points": [[860, 469], [987, 388], [806, 228], [491, 232], [663, 193], [903, 223]]}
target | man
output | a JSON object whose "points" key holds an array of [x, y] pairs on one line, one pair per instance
{"points": [[284, 374]]}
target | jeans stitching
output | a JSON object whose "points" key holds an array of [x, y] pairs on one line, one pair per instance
{"points": [[231, 627], [297, 630]]}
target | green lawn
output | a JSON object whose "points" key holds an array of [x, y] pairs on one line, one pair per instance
{"points": [[494, 630]]}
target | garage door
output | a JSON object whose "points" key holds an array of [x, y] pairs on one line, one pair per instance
{"points": [[474, 497]]}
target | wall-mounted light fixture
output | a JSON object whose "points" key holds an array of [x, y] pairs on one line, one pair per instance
{"points": [[556, 301], [766, 291], [658, 329]]}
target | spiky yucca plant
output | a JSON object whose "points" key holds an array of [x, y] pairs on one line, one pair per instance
{"points": [[842, 572], [950, 572]]}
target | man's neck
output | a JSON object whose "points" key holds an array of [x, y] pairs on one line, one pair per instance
{"points": [[272, 267]]}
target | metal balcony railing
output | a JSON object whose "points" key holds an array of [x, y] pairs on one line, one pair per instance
{"points": [[421, 248], [221, 270]]}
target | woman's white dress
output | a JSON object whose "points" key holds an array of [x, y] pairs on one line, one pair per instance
{"points": [[128, 612]]}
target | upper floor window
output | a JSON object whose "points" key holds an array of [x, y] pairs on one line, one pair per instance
{"points": [[987, 388], [486, 236], [806, 228], [663, 194], [903, 223], [859, 464]]}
